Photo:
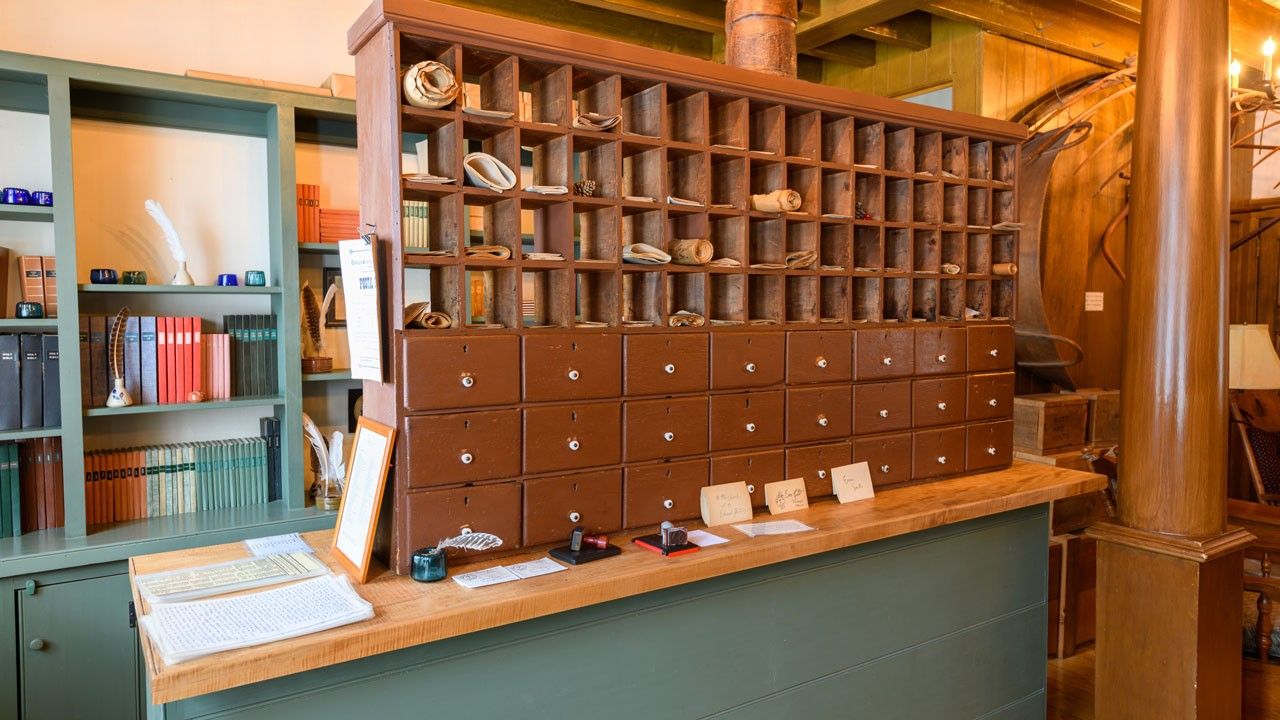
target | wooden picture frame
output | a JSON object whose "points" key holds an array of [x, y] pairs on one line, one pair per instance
{"points": [[366, 481]]}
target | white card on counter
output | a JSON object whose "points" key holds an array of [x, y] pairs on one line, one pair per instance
{"points": [[534, 568], [852, 482], [702, 538], [773, 527], [277, 545], [488, 576]]}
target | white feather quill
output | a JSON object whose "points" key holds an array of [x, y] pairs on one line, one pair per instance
{"points": [[472, 541], [337, 466], [157, 213], [317, 442]]}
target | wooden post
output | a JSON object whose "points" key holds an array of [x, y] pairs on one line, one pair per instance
{"points": [[1169, 571], [760, 35]]}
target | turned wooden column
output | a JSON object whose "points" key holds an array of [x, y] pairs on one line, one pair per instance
{"points": [[1169, 570], [760, 35]]}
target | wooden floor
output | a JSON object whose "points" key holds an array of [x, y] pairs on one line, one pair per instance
{"points": [[1071, 687]]}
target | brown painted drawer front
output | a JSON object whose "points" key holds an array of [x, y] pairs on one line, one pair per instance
{"points": [[746, 420], [881, 407], [665, 364], [990, 445], [990, 396], [438, 514], [937, 452], [442, 373], [940, 351], [937, 402], [990, 348], [824, 413], [554, 506], [819, 357], [888, 457], [464, 447], [660, 429], [886, 353], [814, 465], [746, 360], [572, 367], [567, 437], [755, 469], [668, 491]]}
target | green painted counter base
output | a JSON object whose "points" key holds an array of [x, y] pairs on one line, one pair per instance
{"points": [[945, 623]]}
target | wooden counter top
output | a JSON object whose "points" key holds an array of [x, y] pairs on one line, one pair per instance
{"points": [[410, 613]]}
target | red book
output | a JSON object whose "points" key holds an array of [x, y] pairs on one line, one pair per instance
{"points": [[197, 357], [182, 367], [162, 352], [171, 359]]}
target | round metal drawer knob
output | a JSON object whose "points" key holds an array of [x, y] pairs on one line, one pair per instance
{"points": [[574, 444], [991, 451], [822, 474], [574, 375], [468, 381], [884, 413], [994, 352], [822, 421], [574, 517], [887, 361], [750, 367], [942, 358], [822, 362], [751, 489], [668, 504], [942, 406], [36, 644], [884, 469], [466, 458], [993, 402], [668, 436], [942, 459], [669, 369], [751, 427]]}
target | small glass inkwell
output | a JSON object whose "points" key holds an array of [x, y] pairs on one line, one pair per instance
{"points": [[430, 564]]}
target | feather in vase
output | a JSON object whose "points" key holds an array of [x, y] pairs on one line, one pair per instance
{"points": [[472, 541], [116, 344], [312, 319], [337, 465], [156, 211], [317, 442]]}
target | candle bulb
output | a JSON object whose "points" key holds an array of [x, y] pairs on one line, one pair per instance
{"points": [[1234, 71], [1268, 49]]}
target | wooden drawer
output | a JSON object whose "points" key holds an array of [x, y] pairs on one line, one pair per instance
{"points": [[755, 469], [434, 515], [888, 456], [937, 452], [462, 448], [554, 506], [822, 356], [822, 413], [567, 437], [990, 445], [747, 360], [572, 367], [665, 364], [746, 420], [668, 491], [990, 348], [940, 351], [660, 429], [443, 373], [937, 402], [885, 353], [990, 396], [881, 407], [814, 465]]}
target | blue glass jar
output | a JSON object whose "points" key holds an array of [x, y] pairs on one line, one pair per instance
{"points": [[429, 565]]}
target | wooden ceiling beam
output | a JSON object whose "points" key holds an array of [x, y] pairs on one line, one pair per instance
{"points": [[1080, 30], [704, 15], [855, 51], [841, 18], [913, 31]]}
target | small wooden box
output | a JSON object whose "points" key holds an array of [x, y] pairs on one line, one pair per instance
{"points": [[1103, 425], [1049, 423]]}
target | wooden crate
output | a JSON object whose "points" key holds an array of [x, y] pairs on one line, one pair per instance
{"points": [[1103, 425], [1049, 423]]}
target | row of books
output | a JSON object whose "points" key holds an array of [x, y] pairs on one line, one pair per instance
{"points": [[178, 478], [317, 224], [40, 281], [414, 228], [166, 359], [30, 486], [29, 387]]}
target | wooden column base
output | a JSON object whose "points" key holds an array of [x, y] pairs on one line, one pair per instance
{"points": [[1169, 619]]}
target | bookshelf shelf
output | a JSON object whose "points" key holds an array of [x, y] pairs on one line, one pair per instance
{"points": [[184, 407], [180, 289], [26, 213], [335, 376], [21, 324], [11, 435], [318, 248]]}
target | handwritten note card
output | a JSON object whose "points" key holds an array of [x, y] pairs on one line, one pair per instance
{"points": [[786, 496], [277, 544], [852, 482], [488, 576], [724, 504]]}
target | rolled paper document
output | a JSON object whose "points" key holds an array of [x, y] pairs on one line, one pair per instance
{"points": [[595, 121], [552, 256], [644, 254], [640, 198], [493, 252], [427, 178], [487, 171], [430, 85], [684, 318], [694, 251], [1004, 269], [725, 262], [419, 315], [776, 201], [768, 266], [672, 199], [951, 268], [547, 189], [801, 259], [725, 322]]}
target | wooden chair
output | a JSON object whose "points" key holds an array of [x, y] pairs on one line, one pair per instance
{"points": [[1261, 672], [1261, 453]]}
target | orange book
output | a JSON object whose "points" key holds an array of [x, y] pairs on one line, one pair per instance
{"points": [[197, 357], [50, 274]]}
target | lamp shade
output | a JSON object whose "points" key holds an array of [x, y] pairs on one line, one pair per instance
{"points": [[1252, 358]]}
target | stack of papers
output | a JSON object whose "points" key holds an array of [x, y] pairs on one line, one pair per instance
{"points": [[188, 630]]}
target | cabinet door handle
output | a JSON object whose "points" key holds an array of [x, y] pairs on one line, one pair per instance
{"points": [[822, 421], [751, 427], [669, 368], [750, 367], [884, 413], [993, 402], [574, 444], [822, 474], [574, 375], [942, 459], [994, 352], [884, 469], [942, 358], [668, 504], [468, 381], [36, 644], [668, 436], [574, 517], [751, 489], [991, 450], [822, 362], [887, 361], [942, 406], [466, 458]]}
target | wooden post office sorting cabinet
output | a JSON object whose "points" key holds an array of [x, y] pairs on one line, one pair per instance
{"points": [[560, 395]]}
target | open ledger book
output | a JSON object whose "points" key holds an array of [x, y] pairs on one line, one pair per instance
{"points": [[187, 630]]}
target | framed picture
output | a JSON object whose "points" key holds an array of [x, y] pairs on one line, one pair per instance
{"points": [[362, 497], [337, 316]]}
